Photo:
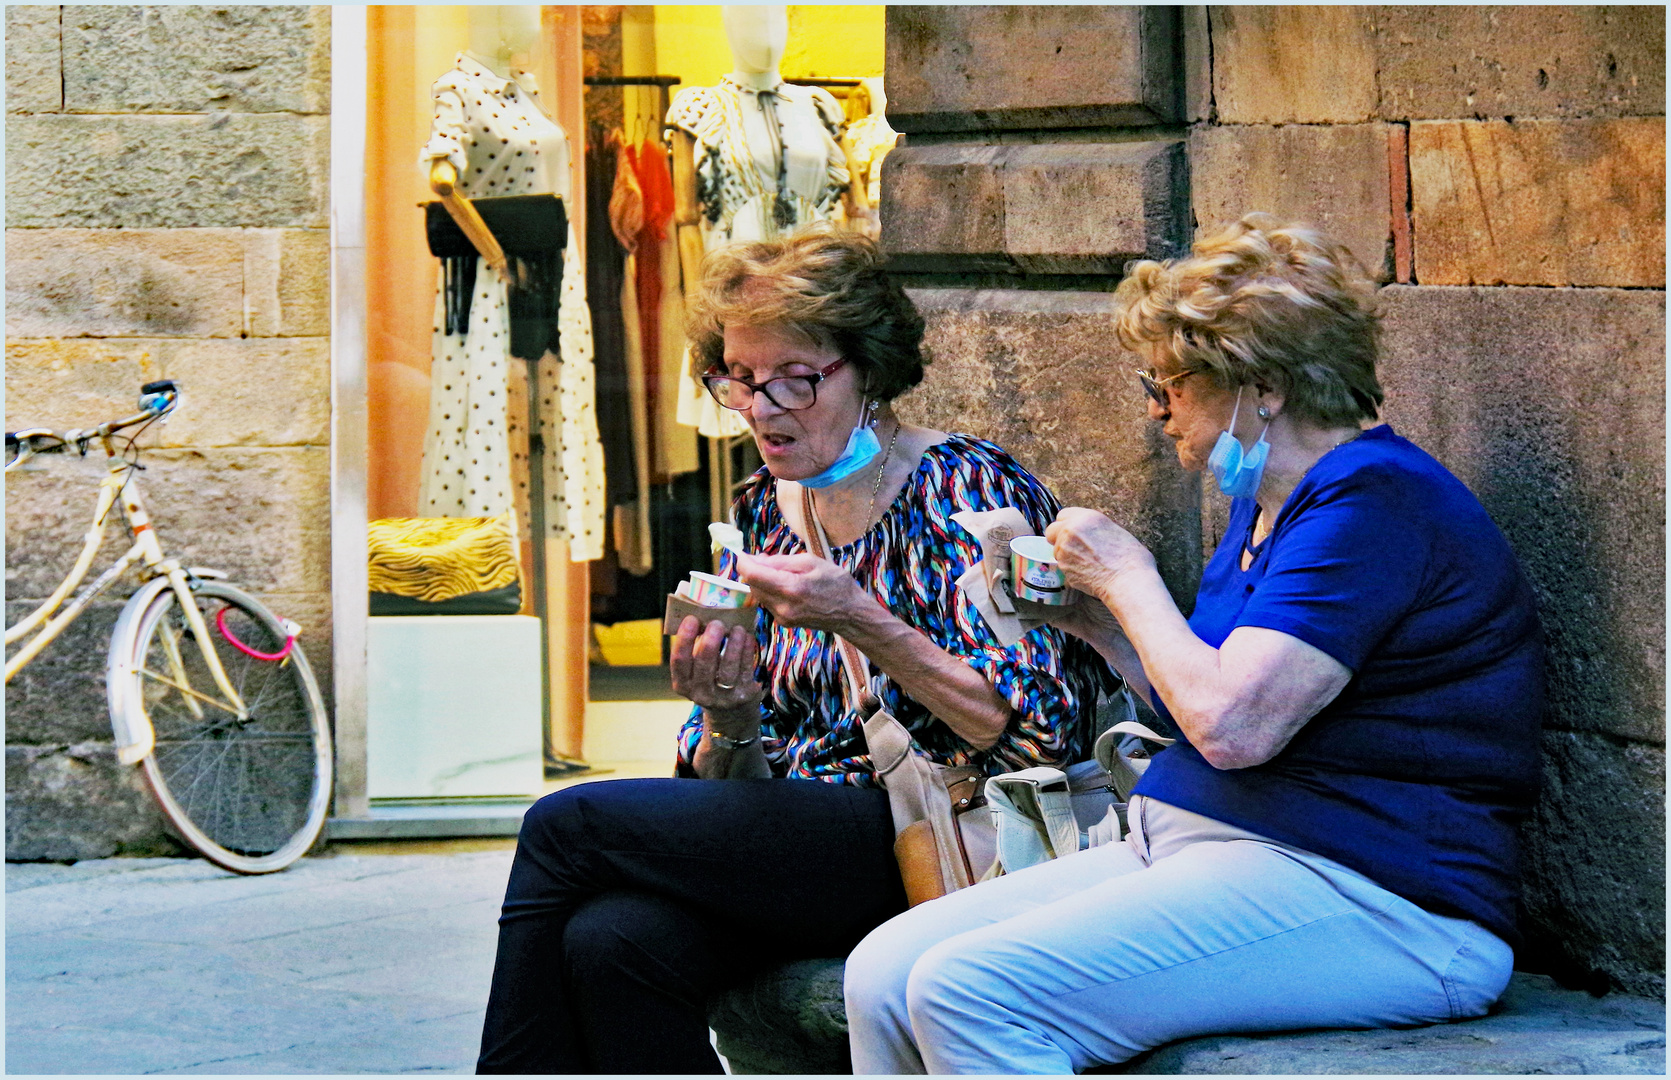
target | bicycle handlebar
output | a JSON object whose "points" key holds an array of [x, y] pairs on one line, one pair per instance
{"points": [[156, 399]]}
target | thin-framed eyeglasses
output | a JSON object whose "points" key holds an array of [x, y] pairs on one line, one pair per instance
{"points": [[1156, 388], [789, 392]]}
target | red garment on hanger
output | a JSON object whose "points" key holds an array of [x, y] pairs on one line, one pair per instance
{"points": [[656, 181]]}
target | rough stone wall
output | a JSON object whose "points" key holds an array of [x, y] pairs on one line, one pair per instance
{"points": [[166, 217], [1501, 170]]}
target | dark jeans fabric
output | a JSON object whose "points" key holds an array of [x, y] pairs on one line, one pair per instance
{"points": [[632, 902]]}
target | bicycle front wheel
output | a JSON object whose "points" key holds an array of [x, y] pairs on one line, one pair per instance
{"points": [[249, 793]]}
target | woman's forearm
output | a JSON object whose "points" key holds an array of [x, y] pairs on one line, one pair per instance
{"points": [[946, 686], [1181, 668], [1238, 704]]}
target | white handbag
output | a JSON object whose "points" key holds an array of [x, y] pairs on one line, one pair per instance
{"points": [[1044, 813]]}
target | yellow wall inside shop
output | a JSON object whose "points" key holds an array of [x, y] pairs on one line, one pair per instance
{"points": [[825, 40]]}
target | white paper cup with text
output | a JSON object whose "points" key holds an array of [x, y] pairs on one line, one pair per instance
{"points": [[1034, 573], [711, 591]]}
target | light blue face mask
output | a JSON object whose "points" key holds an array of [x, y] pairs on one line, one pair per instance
{"points": [[1238, 474], [861, 450]]}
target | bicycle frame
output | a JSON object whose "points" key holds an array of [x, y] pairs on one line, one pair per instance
{"points": [[120, 485]]}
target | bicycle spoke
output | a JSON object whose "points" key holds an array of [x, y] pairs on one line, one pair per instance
{"points": [[188, 798], [166, 681]]}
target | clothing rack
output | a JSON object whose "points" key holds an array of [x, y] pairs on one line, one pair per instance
{"points": [[840, 89], [663, 81]]}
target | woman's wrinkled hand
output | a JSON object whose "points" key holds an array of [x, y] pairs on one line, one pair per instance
{"points": [[720, 681], [803, 590], [1093, 551]]}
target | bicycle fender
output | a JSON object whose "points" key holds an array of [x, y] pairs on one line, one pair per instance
{"points": [[135, 738]]}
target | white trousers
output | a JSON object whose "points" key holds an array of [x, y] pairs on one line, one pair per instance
{"points": [[1189, 927]]}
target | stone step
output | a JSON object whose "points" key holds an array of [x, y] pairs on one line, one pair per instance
{"points": [[791, 1020]]}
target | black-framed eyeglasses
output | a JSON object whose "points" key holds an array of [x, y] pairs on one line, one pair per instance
{"points": [[790, 392], [1156, 388]]}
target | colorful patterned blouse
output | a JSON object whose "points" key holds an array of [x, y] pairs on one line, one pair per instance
{"points": [[910, 560]]}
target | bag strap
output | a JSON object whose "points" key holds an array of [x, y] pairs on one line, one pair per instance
{"points": [[853, 664]]}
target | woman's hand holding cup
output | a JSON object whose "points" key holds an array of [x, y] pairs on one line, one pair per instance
{"points": [[1093, 551], [802, 590], [715, 669]]}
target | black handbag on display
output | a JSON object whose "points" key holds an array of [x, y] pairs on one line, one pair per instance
{"points": [[532, 231]]}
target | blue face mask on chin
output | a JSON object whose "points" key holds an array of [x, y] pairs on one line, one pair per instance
{"points": [[861, 450], [1238, 474]]}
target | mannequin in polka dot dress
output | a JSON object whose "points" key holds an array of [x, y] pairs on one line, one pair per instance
{"points": [[498, 139]]}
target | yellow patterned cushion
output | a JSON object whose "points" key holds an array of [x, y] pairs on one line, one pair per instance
{"points": [[434, 559]]}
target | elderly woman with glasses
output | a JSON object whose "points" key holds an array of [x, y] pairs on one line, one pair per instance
{"points": [[631, 902], [1357, 691]]}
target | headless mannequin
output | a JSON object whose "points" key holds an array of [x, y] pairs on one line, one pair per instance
{"points": [[501, 39], [758, 35]]}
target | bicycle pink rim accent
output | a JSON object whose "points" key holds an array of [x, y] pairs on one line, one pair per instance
{"points": [[220, 624]]}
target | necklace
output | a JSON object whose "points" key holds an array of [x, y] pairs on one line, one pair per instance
{"points": [[781, 212], [878, 485]]}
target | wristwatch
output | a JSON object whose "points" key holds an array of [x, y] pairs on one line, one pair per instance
{"points": [[725, 742]]}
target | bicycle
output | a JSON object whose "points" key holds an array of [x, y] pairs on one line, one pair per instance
{"points": [[232, 735]]}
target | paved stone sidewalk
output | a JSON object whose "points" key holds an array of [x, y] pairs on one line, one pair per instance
{"points": [[351, 963]]}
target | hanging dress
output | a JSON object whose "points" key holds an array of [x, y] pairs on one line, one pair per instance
{"points": [[631, 520], [673, 444], [605, 268], [767, 162], [495, 134]]}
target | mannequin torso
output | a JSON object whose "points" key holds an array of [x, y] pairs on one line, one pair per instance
{"points": [[790, 135]]}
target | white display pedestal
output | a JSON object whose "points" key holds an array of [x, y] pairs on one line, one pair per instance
{"points": [[453, 707]]}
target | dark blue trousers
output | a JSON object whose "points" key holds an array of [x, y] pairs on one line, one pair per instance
{"points": [[632, 902]]}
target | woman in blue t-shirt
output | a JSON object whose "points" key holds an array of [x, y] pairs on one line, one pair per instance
{"points": [[1358, 690]]}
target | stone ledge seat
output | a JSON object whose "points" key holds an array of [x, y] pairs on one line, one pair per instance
{"points": [[791, 1021]]}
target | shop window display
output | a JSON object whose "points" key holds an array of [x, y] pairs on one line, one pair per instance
{"points": [[624, 486]]}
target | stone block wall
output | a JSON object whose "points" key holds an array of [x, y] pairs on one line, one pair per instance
{"points": [[1500, 169], [1043, 149], [166, 217]]}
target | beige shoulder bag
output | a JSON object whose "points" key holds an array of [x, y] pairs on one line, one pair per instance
{"points": [[944, 838]]}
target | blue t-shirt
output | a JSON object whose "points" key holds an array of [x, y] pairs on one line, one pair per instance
{"points": [[1417, 774]]}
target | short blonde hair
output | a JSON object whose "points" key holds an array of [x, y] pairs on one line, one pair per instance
{"points": [[826, 283], [1268, 302]]}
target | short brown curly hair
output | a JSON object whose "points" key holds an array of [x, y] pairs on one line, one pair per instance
{"points": [[826, 283], [1264, 301]]}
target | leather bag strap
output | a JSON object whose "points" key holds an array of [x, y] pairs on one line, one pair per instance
{"points": [[917, 794], [853, 664]]}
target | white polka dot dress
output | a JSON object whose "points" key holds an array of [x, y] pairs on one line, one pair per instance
{"points": [[495, 134]]}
